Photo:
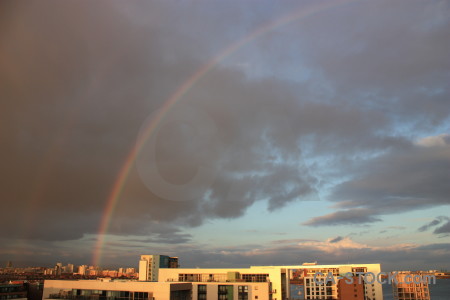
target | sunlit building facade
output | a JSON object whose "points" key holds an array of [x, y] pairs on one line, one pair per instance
{"points": [[410, 286], [107, 289], [282, 282], [297, 282], [150, 264]]}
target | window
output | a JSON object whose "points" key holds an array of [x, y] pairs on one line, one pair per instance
{"points": [[224, 291], [243, 292], [202, 288], [201, 292], [140, 295], [255, 277]]}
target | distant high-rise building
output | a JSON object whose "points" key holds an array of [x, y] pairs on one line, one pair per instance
{"points": [[58, 269], [149, 266], [173, 262], [69, 268], [82, 270], [9, 264]]}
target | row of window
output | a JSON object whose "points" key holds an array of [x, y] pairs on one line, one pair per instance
{"points": [[13, 296], [202, 277], [221, 277], [102, 294], [11, 289], [255, 277], [223, 292]]}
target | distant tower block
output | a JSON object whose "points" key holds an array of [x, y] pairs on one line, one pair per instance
{"points": [[9, 264], [410, 286]]}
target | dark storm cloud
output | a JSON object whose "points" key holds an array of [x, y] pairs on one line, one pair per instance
{"points": [[64, 135], [78, 87], [377, 64]]}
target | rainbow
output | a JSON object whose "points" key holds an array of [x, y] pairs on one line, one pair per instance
{"points": [[114, 195]]}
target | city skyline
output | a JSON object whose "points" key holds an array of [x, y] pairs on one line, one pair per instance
{"points": [[228, 133]]}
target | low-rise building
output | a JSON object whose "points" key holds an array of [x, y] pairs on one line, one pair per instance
{"points": [[13, 291], [106, 289]]}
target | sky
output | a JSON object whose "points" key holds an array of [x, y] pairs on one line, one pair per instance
{"points": [[227, 133]]}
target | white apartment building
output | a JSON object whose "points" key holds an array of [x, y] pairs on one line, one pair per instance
{"points": [[281, 282]]}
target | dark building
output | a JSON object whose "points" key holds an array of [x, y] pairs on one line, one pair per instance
{"points": [[13, 291]]}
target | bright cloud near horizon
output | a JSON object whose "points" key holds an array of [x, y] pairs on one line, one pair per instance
{"points": [[266, 133]]}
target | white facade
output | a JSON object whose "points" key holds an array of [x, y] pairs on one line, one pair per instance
{"points": [[144, 272], [150, 264]]}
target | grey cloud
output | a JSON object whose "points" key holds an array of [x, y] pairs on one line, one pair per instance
{"points": [[344, 217], [177, 238], [336, 239], [443, 236], [433, 223], [402, 179], [413, 176], [292, 241], [442, 246], [357, 56], [443, 229]]}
